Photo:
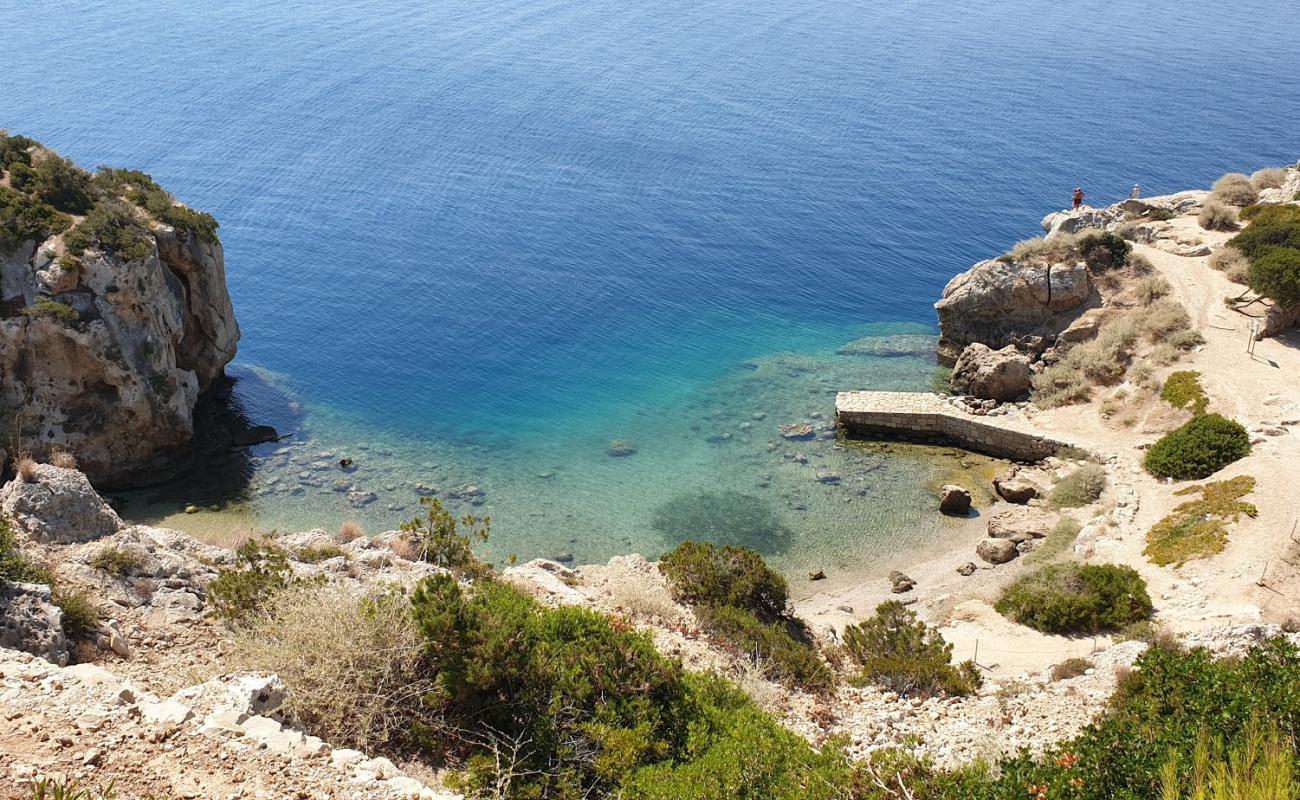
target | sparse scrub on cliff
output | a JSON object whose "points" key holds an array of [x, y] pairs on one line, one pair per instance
{"points": [[1216, 215], [14, 565], [363, 689], [116, 561], [1268, 178], [903, 654], [262, 570], [1199, 528], [1079, 488], [1232, 263], [1074, 598], [1102, 250], [315, 554], [25, 218], [789, 658], [1061, 247], [437, 538], [1150, 289], [350, 531], [1235, 189], [61, 184], [25, 466], [111, 226], [1198, 449], [1102, 360], [80, 612], [45, 308], [63, 459], [1070, 668], [14, 150]]}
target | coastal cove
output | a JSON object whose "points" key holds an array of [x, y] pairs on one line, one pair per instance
{"points": [[472, 247]]}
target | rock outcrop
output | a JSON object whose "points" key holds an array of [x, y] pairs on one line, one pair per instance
{"points": [[111, 330], [31, 622], [53, 505], [1000, 375], [997, 303]]}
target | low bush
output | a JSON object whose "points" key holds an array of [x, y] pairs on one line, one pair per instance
{"points": [[318, 553], [80, 613], [1235, 189], [60, 789], [112, 227], [62, 184], [1161, 214], [1102, 250], [444, 540], [1198, 528], [16, 567], [1270, 227], [901, 653], [25, 218], [1232, 263], [1149, 631], [1182, 389], [363, 689], [1216, 215], [261, 571], [63, 459], [1079, 488], [1070, 668], [1276, 275], [117, 561], [13, 150], [1074, 598], [1150, 289], [1059, 248], [45, 308], [1058, 542], [780, 647], [1197, 449], [1268, 178], [700, 573]]}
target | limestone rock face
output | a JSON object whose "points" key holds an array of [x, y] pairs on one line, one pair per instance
{"points": [[992, 374], [29, 621], [997, 302], [117, 386], [1086, 218], [58, 506]]}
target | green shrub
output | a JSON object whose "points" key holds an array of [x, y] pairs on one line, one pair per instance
{"points": [[1102, 250], [700, 573], [45, 308], [438, 539], [1199, 528], [903, 654], [1079, 488], [1197, 449], [781, 647], [129, 183], [1276, 275], [262, 570], [58, 789], [80, 613], [1074, 598], [1160, 214], [13, 150], [111, 226], [187, 220], [1216, 215], [22, 177], [1262, 767], [1270, 227], [1234, 189], [316, 554], [62, 184], [14, 565], [1058, 541], [23, 218], [117, 561], [1183, 390]]}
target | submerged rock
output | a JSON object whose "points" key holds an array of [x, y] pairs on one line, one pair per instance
{"points": [[618, 448], [796, 431]]}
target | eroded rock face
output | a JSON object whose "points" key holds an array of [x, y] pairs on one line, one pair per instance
{"points": [[30, 622], [57, 506], [997, 302], [116, 387], [1000, 375]]}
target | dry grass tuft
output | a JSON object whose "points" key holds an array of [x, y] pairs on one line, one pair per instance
{"points": [[1269, 178], [643, 605], [1233, 263], [225, 538], [26, 468], [1235, 189], [1150, 289], [1061, 247], [361, 690], [350, 531], [1217, 215], [64, 459]]}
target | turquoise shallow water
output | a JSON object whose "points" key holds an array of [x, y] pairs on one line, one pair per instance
{"points": [[471, 243]]}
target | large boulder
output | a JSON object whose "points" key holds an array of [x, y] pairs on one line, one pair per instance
{"points": [[29, 621], [114, 367], [54, 505], [998, 302], [992, 374], [954, 500], [997, 551], [1010, 486], [1020, 524]]}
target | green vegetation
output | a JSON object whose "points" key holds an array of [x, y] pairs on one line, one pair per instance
{"points": [[743, 602], [1262, 767], [58, 182], [113, 228], [55, 789], [316, 554], [1160, 214], [438, 539], [1182, 389], [1272, 244], [1102, 250], [1276, 274], [45, 308], [80, 612], [1079, 488], [899, 652], [117, 561], [1199, 527], [262, 570], [1074, 598], [14, 566], [1197, 449], [1058, 541], [13, 150], [23, 217]]}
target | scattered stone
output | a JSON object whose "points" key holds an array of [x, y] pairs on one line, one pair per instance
{"points": [[819, 575], [29, 621], [1020, 524], [1012, 488], [831, 478], [954, 500], [967, 569], [346, 463], [900, 583], [997, 551]]}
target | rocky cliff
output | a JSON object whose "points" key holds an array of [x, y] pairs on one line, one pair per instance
{"points": [[114, 315]]}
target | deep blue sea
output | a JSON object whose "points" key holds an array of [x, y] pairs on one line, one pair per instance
{"points": [[471, 243]]}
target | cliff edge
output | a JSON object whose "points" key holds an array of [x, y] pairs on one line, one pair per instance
{"points": [[114, 315]]}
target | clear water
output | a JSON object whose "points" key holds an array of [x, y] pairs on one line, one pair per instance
{"points": [[473, 242]]}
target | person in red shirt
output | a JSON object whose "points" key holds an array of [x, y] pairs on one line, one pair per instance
{"points": [[1078, 199]]}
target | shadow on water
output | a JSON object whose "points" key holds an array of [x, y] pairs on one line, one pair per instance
{"points": [[218, 471], [725, 517]]}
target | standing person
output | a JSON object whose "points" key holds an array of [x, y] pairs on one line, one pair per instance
{"points": [[1078, 199], [1136, 194]]}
